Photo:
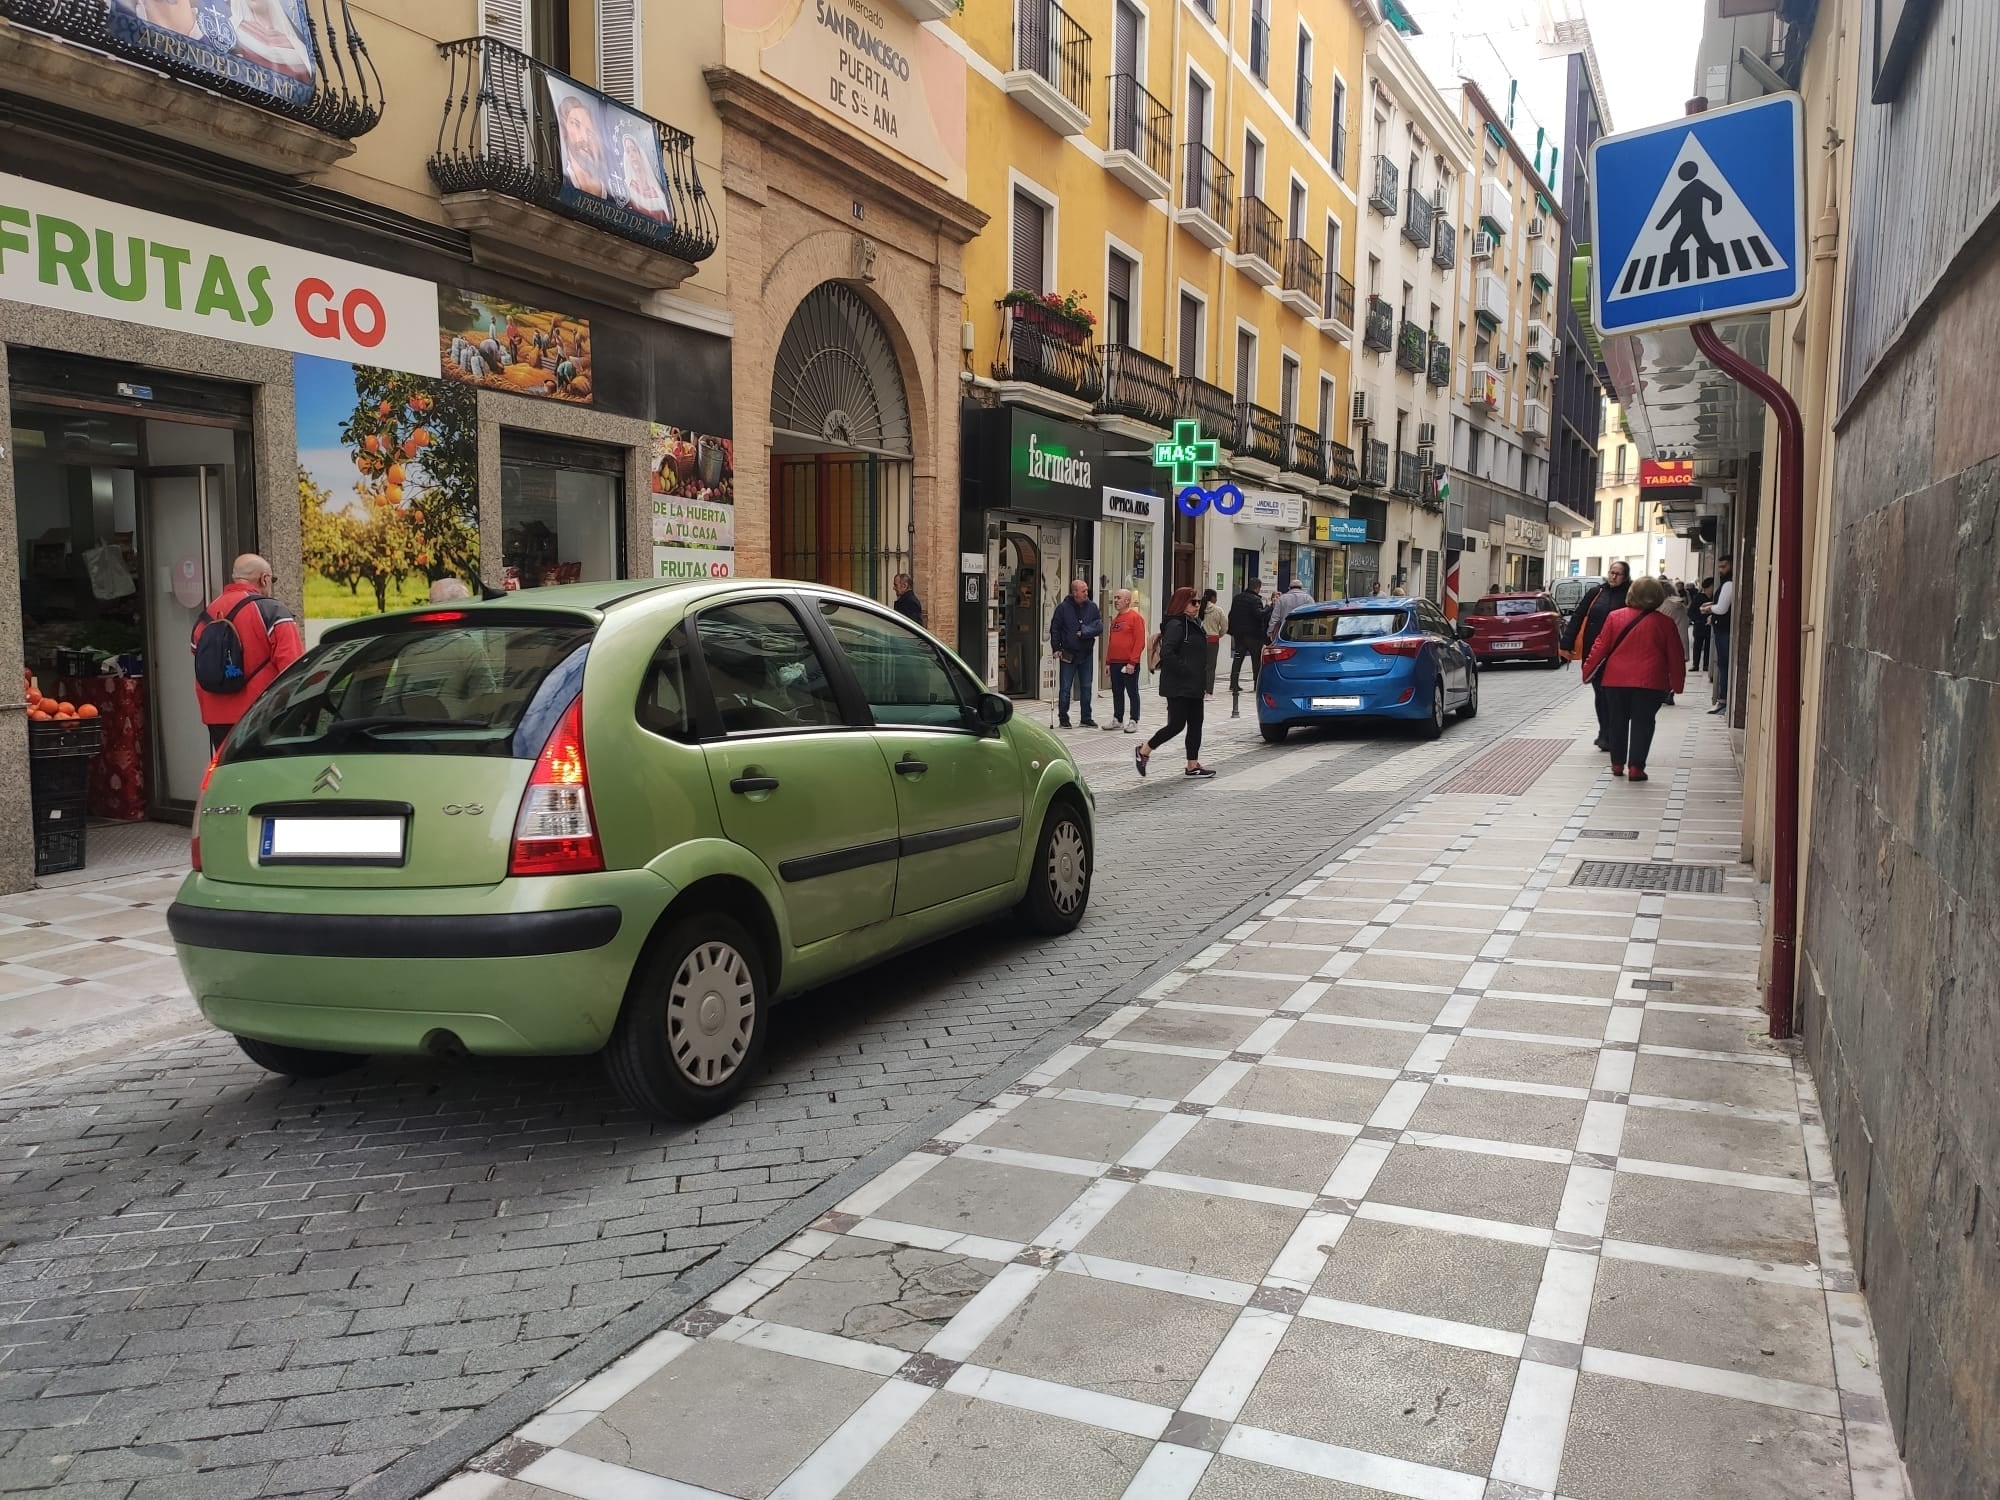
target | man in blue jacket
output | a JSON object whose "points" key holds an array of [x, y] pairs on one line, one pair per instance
{"points": [[1073, 633]]}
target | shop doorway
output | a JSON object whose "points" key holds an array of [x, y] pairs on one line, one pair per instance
{"points": [[841, 451], [1019, 607], [562, 506], [133, 494]]}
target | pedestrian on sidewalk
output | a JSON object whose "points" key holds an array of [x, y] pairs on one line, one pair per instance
{"points": [[1247, 619], [1636, 665], [1295, 596], [1720, 612], [241, 642], [1216, 625], [1124, 650], [908, 605], [1587, 624], [1073, 633], [1181, 651], [1699, 596], [1675, 609]]}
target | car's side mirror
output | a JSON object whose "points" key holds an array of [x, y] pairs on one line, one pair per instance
{"points": [[1466, 632], [993, 709]]}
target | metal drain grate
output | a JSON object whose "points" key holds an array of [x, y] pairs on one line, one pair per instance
{"points": [[1618, 875], [1609, 833]]}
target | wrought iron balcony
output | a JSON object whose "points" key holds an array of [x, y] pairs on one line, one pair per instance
{"points": [[1039, 348], [1340, 467], [1337, 304], [1375, 463], [1384, 195], [1413, 343], [1051, 74], [1439, 371], [1409, 475], [1380, 332], [1209, 406], [1304, 452], [1418, 218], [323, 79], [1142, 128], [1260, 434], [1259, 234], [1444, 248], [1138, 386], [517, 127], [1305, 277], [1206, 186], [1427, 491]]}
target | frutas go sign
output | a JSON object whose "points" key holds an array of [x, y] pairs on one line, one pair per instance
{"points": [[81, 254]]}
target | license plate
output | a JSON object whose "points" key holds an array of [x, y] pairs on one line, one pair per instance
{"points": [[1336, 703], [1506, 645], [335, 841]]}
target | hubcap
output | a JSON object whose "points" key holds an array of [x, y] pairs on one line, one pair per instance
{"points": [[711, 1013], [1069, 867]]}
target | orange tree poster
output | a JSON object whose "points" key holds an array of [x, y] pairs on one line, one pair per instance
{"points": [[388, 487], [504, 346]]}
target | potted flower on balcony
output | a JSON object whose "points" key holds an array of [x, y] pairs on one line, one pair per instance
{"points": [[1060, 315]]}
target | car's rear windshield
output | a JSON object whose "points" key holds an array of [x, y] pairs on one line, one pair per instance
{"points": [[1343, 625], [1506, 607], [417, 689]]}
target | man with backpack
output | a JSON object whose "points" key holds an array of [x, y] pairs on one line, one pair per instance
{"points": [[242, 641]]}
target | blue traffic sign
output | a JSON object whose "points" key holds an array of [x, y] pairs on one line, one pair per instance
{"points": [[1700, 218]]}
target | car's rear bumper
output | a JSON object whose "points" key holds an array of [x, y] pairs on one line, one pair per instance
{"points": [[1526, 650], [315, 968], [1396, 698]]}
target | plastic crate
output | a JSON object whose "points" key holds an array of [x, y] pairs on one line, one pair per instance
{"points": [[59, 778], [85, 737], [59, 849]]}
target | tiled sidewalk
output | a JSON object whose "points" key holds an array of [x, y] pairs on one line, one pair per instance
{"points": [[1446, 1178]]}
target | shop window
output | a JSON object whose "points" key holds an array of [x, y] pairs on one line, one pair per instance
{"points": [[561, 511]]}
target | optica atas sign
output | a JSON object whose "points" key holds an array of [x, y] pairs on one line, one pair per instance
{"points": [[76, 253]]}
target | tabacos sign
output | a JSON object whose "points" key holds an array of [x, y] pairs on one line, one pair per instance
{"points": [[76, 253]]}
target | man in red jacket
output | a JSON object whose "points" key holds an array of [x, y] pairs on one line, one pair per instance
{"points": [[270, 636]]}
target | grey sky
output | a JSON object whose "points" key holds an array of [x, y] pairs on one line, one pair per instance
{"points": [[1646, 49]]}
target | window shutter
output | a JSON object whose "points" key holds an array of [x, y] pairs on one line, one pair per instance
{"points": [[1119, 277], [505, 21], [1030, 243], [618, 49], [1190, 348], [1246, 365]]}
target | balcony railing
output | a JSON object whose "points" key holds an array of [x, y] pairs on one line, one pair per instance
{"points": [[1304, 451], [1338, 303], [1039, 348], [1304, 270], [513, 125], [1208, 406], [1484, 391], [1049, 43], [1258, 231], [1375, 463], [1206, 184], [1340, 467], [1439, 370], [1260, 433], [1444, 248], [1489, 298], [1418, 217], [333, 87], [1427, 492], [1138, 386], [1383, 194], [1380, 332], [1409, 475], [1141, 125], [1413, 344]]}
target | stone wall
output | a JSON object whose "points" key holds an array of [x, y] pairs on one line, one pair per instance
{"points": [[1901, 982]]}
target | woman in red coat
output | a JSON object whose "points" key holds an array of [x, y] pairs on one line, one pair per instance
{"points": [[1638, 661]]}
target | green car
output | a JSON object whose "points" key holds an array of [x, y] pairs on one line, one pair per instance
{"points": [[610, 817]]}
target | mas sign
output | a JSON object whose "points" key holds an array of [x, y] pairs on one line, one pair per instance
{"points": [[81, 254]]}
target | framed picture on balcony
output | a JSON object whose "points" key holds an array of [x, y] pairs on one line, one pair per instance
{"points": [[258, 44], [610, 154]]}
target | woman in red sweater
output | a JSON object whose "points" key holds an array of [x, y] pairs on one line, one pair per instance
{"points": [[1638, 662]]}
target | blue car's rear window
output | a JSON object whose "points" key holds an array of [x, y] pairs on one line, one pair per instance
{"points": [[1343, 625]]}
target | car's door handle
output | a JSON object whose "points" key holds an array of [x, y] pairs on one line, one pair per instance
{"points": [[909, 765], [747, 784]]}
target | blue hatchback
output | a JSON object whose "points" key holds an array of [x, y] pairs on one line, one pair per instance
{"points": [[1387, 658]]}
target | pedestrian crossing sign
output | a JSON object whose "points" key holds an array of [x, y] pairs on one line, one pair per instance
{"points": [[1700, 218]]}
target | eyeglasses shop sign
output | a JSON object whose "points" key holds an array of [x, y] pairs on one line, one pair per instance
{"points": [[76, 253]]}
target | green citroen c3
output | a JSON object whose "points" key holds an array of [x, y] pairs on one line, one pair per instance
{"points": [[610, 817]]}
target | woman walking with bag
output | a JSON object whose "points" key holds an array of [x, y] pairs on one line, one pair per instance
{"points": [[1181, 658], [1636, 665]]}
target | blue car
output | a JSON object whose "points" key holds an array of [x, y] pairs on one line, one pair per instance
{"points": [[1380, 658]]}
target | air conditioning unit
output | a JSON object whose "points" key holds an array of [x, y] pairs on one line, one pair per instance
{"points": [[1536, 227], [1363, 413], [1427, 434], [1482, 246], [1502, 360]]}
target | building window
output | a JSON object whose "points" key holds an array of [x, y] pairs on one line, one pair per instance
{"points": [[1260, 39], [1336, 153], [548, 33], [1295, 222], [1302, 87], [1246, 365], [1622, 451], [1031, 243], [1253, 166], [1118, 271], [1288, 390], [1332, 249], [560, 507], [1618, 516], [1189, 352], [1328, 397]]}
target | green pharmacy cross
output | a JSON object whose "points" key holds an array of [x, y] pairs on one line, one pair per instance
{"points": [[1187, 453]]}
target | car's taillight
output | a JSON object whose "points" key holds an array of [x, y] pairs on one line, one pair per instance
{"points": [[1400, 645], [554, 833], [194, 842], [1280, 653]]}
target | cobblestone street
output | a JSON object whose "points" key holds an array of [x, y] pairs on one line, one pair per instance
{"points": [[216, 1284]]}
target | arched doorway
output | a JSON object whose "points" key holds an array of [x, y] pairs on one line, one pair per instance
{"points": [[840, 448]]}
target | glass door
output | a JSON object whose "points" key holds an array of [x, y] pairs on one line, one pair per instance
{"points": [[180, 539]]}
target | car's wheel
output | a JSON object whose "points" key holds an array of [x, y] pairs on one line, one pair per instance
{"points": [[1274, 734], [298, 1062], [1059, 877], [1470, 709], [688, 1039], [1433, 726]]}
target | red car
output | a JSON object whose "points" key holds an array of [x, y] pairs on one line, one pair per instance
{"points": [[1514, 627]]}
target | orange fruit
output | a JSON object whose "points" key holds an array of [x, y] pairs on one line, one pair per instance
{"points": [[86, 710], [66, 708], [36, 714]]}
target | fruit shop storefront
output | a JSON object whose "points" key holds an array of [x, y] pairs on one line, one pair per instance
{"points": [[370, 421]]}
